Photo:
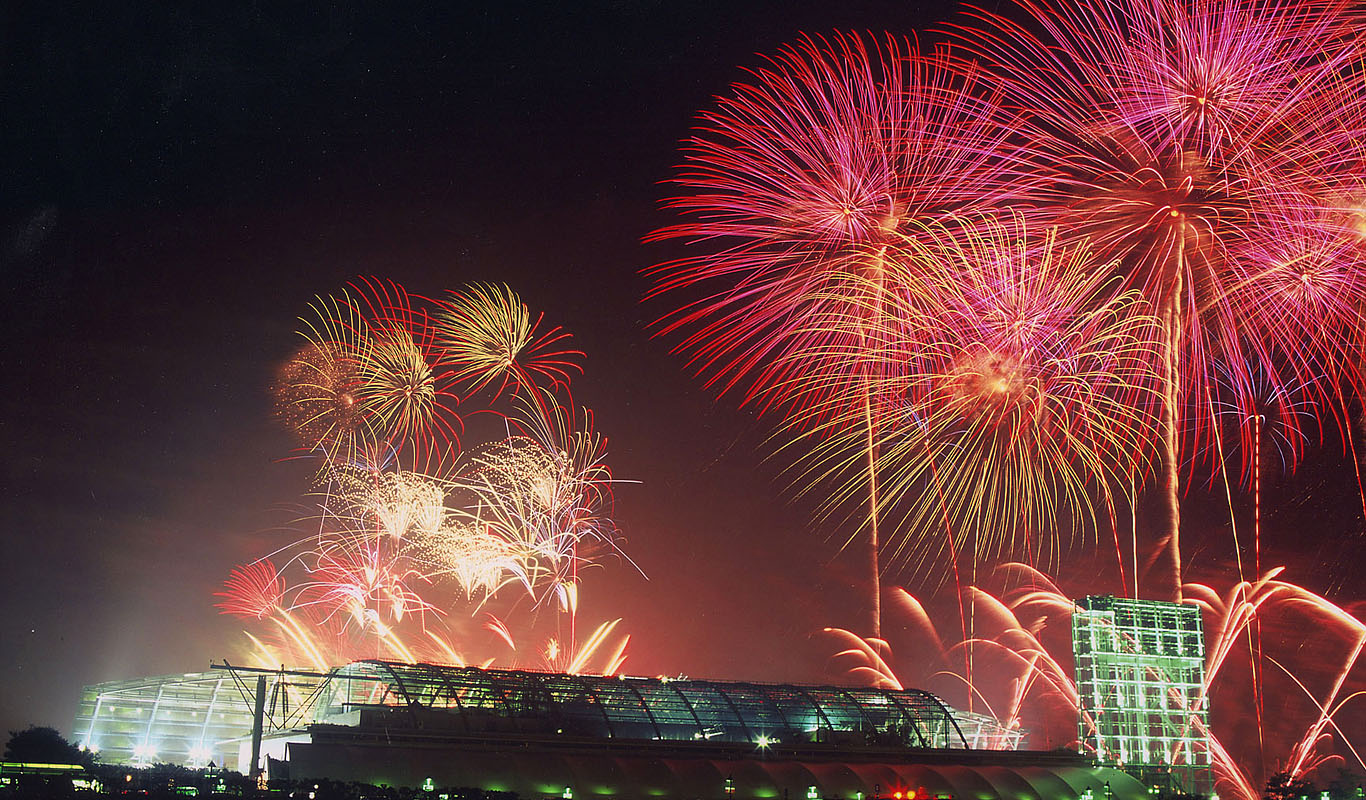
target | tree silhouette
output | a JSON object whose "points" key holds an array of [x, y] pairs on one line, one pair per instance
{"points": [[44, 746]]}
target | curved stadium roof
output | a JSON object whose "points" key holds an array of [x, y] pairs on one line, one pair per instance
{"points": [[648, 708]]}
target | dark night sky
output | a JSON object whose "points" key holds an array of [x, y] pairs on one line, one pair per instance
{"points": [[178, 184]]}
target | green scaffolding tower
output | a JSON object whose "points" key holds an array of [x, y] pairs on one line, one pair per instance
{"points": [[1140, 668]]}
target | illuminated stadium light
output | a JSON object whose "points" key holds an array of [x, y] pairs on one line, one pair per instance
{"points": [[144, 753], [180, 713]]}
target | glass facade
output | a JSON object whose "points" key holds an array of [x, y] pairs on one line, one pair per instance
{"points": [[190, 719], [659, 709], [1140, 668], [207, 716]]}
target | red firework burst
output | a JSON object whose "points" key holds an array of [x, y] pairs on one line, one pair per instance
{"points": [[252, 590]]}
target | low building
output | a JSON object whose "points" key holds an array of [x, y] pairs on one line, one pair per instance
{"points": [[547, 735], [544, 735]]}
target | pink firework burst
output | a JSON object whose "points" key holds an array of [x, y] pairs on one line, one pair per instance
{"points": [[803, 177], [1193, 142], [795, 187]]}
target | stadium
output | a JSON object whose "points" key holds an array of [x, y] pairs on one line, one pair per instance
{"points": [[566, 736]]}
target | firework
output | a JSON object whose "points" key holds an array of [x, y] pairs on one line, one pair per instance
{"points": [[489, 337], [1263, 423], [805, 176], [796, 185], [1001, 664], [479, 562], [1012, 659], [1013, 386], [405, 390], [396, 552], [394, 504], [252, 591], [387, 542], [1233, 618], [1185, 139], [368, 386], [257, 591], [578, 663], [361, 582], [1302, 294], [317, 389], [545, 495]]}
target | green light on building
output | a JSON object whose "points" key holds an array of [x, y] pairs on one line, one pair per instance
{"points": [[1140, 669]]}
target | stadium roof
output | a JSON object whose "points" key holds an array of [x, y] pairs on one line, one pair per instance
{"points": [[647, 708]]}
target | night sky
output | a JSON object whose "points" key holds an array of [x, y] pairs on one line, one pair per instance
{"points": [[178, 185]]}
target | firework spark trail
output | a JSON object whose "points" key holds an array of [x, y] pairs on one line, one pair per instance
{"points": [[405, 389], [255, 591], [480, 563], [545, 495], [796, 182], [1259, 412], [367, 385], [1023, 388], [362, 584], [1263, 413], [1189, 141], [1021, 665], [804, 177], [1225, 768], [489, 337], [376, 386], [316, 390], [1304, 759], [612, 663], [1248, 603], [1011, 625]]}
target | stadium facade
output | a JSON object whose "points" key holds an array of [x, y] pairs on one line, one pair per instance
{"points": [[543, 735], [192, 719]]}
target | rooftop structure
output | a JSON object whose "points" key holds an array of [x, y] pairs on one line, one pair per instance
{"points": [[660, 708], [544, 735], [200, 717], [191, 719]]}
